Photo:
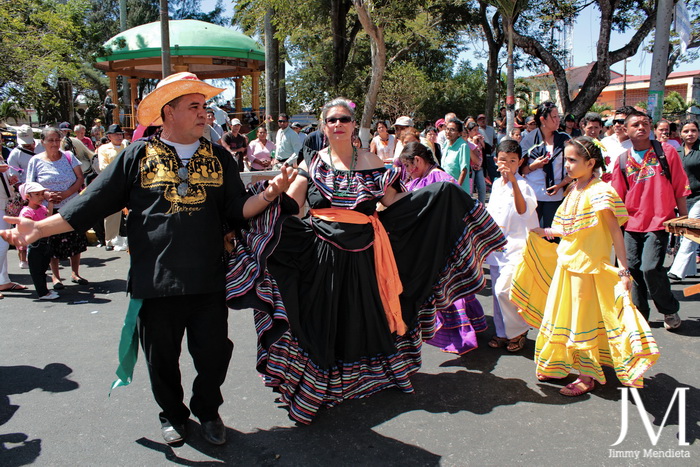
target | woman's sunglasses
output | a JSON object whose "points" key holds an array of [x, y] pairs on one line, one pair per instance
{"points": [[343, 119]]}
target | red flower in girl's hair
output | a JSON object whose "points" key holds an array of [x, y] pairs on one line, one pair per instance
{"points": [[606, 177], [607, 160]]}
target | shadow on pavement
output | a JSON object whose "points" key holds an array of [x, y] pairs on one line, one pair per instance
{"points": [[18, 380], [94, 292], [348, 434]]}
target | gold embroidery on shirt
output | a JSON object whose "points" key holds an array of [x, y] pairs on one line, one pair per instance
{"points": [[160, 169]]}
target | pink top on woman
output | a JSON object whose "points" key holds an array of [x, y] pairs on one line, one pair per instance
{"points": [[257, 152]]}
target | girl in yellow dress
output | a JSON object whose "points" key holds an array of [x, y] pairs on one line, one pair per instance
{"points": [[588, 320]]}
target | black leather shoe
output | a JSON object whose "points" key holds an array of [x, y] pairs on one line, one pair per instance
{"points": [[173, 433], [214, 431]]}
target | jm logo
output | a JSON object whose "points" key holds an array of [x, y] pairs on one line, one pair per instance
{"points": [[653, 437]]}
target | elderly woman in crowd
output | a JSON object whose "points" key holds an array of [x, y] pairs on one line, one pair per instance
{"points": [[59, 172], [347, 294], [80, 131]]}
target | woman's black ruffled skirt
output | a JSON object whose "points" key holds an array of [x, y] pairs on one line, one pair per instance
{"points": [[322, 332]]}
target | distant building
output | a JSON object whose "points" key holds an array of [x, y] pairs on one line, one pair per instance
{"points": [[686, 83], [544, 88]]}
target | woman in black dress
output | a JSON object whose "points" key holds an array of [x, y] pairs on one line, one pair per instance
{"points": [[341, 308]]}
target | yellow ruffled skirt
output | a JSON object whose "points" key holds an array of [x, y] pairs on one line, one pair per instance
{"points": [[587, 321]]}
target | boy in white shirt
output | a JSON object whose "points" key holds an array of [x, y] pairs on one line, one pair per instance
{"points": [[513, 206]]}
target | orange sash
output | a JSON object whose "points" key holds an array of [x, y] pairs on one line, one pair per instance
{"points": [[384, 263]]}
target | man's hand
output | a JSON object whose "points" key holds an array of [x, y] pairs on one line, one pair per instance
{"points": [[281, 182], [23, 234]]}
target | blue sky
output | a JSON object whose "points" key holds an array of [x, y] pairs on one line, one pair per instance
{"points": [[585, 33]]}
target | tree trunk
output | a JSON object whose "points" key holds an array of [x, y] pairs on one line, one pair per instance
{"points": [[165, 39], [271, 74], [378, 49], [65, 95], [659, 63], [510, 96], [342, 38], [282, 81], [494, 40]]}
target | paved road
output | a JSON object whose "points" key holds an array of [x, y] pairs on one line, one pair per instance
{"points": [[57, 361]]}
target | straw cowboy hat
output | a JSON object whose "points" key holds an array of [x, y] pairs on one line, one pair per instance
{"points": [[170, 88]]}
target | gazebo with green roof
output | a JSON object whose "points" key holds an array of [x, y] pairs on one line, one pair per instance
{"points": [[207, 50]]}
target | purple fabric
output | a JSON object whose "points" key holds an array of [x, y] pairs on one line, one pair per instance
{"points": [[434, 176], [457, 325]]}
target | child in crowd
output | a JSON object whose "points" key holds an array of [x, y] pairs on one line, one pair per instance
{"points": [[513, 205], [587, 323], [39, 252]]}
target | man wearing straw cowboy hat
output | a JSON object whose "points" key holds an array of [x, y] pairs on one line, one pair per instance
{"points": [[181, 192]]}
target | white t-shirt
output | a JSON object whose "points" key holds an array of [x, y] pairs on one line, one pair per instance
{"points": [[184, 151], [441, 138], [385, 151], [538, 178], [515, 226]]}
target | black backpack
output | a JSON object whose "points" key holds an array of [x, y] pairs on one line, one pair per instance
{"points": [[659, 151]]}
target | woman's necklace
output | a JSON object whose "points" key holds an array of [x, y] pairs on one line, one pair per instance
{"points": [[570, 217], [336, 191], [353, 162]]}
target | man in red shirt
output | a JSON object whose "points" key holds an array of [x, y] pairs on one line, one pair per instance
{"points": [[651, 196]]}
